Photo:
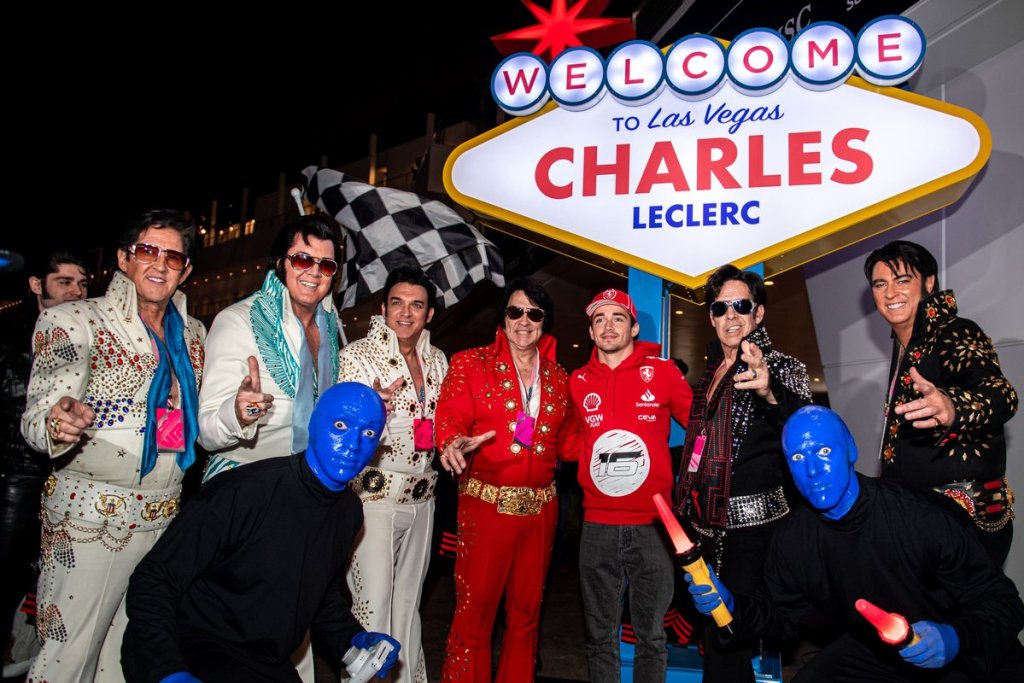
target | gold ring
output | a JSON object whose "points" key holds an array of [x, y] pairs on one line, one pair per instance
{"points": [[55, 423]]}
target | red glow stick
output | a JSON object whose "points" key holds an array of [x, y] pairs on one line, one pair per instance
{"points": [[689, 555], [892, 628]]}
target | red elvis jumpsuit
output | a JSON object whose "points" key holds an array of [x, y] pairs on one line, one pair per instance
{"points": [[501, 552]]}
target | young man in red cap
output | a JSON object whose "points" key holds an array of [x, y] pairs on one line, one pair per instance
{"points": [[624, 397]]}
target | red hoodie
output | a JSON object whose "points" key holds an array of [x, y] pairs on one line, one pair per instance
{"points": [[624, 416]]}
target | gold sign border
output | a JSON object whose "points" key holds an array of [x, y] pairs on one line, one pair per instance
{"points": [[787, 254]]}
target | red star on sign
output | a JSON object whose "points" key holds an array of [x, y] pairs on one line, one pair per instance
{"points": [[562, 28]]}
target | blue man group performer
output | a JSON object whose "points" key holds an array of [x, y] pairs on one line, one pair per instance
{"points": [[907, 551], [255, 561]]}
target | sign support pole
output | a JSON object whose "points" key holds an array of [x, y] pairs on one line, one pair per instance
{"points": [[653, 303]]}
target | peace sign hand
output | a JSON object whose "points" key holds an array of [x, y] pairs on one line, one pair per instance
{"points": [[250, 402], [933, 410], [387, 393]]}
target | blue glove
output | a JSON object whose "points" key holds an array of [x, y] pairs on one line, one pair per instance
{"points": [[706, 598], [367, 639], [180, 677], [938, 646]]}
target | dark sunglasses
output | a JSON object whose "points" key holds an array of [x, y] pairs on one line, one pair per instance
{"points": [[303, 262], [534, 314], [741, 306], [149, 253]]}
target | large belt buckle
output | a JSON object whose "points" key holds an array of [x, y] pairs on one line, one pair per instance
{"points": [[421, 488], [488, 493], [518, 500]]}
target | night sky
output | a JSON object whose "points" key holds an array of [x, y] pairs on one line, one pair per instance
{"points": [[181, 107]]}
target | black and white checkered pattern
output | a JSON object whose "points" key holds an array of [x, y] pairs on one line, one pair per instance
{"points": [[385, 228]]}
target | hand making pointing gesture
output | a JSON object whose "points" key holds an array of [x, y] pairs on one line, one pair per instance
{"points": [[68, 419], [756, 376], [934, 409], [453, 459], [250, 402]]}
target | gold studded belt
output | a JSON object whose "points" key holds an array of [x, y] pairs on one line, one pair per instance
{"points": [[97, 502], [520, 501], [374, 483]]}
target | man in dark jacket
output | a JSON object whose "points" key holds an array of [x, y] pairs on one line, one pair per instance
{"points": [[255, 560], [907, 551], [58, 278], [947, 399]]}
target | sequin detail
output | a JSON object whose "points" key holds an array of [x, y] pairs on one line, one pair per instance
{"points": [[54, 347], [50, 624], [57, 547]]}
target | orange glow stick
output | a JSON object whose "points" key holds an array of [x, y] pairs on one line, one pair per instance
{"points": [[892, 628], [689, 555]]}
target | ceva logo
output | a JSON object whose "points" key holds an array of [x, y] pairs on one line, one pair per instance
{"points": [[761, 151]]}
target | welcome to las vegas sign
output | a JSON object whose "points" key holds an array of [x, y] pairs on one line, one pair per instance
{"points": [[676, 161]]}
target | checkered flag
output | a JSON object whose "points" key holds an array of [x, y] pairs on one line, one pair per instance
{"points": [[385, 228]]}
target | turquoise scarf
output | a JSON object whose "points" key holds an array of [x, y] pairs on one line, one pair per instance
{"points": [[173, 353]]}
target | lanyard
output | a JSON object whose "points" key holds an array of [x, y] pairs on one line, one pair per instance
{"points": [[527, 393]]}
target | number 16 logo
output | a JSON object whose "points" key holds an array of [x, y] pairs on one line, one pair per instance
{"points": [[619, 462]]}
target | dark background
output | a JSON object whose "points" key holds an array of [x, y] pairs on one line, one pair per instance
{"points": [[108, 115], [111, 112]]}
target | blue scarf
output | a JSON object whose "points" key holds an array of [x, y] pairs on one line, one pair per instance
{"points": [[266, 317], [174, 354], [315, 377]]}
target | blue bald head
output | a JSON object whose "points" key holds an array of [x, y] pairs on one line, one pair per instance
{"points": [[820, 452], [344, 430]]}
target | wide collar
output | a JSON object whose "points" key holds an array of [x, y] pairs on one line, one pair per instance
{"points": [[387, 338], [933, 312], [278, 333], [273, 288], [122, 295], [545, 345]]}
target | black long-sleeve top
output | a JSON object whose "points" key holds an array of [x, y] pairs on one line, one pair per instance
{"points": [[250, 564], [907, 551], [16, 456]]}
